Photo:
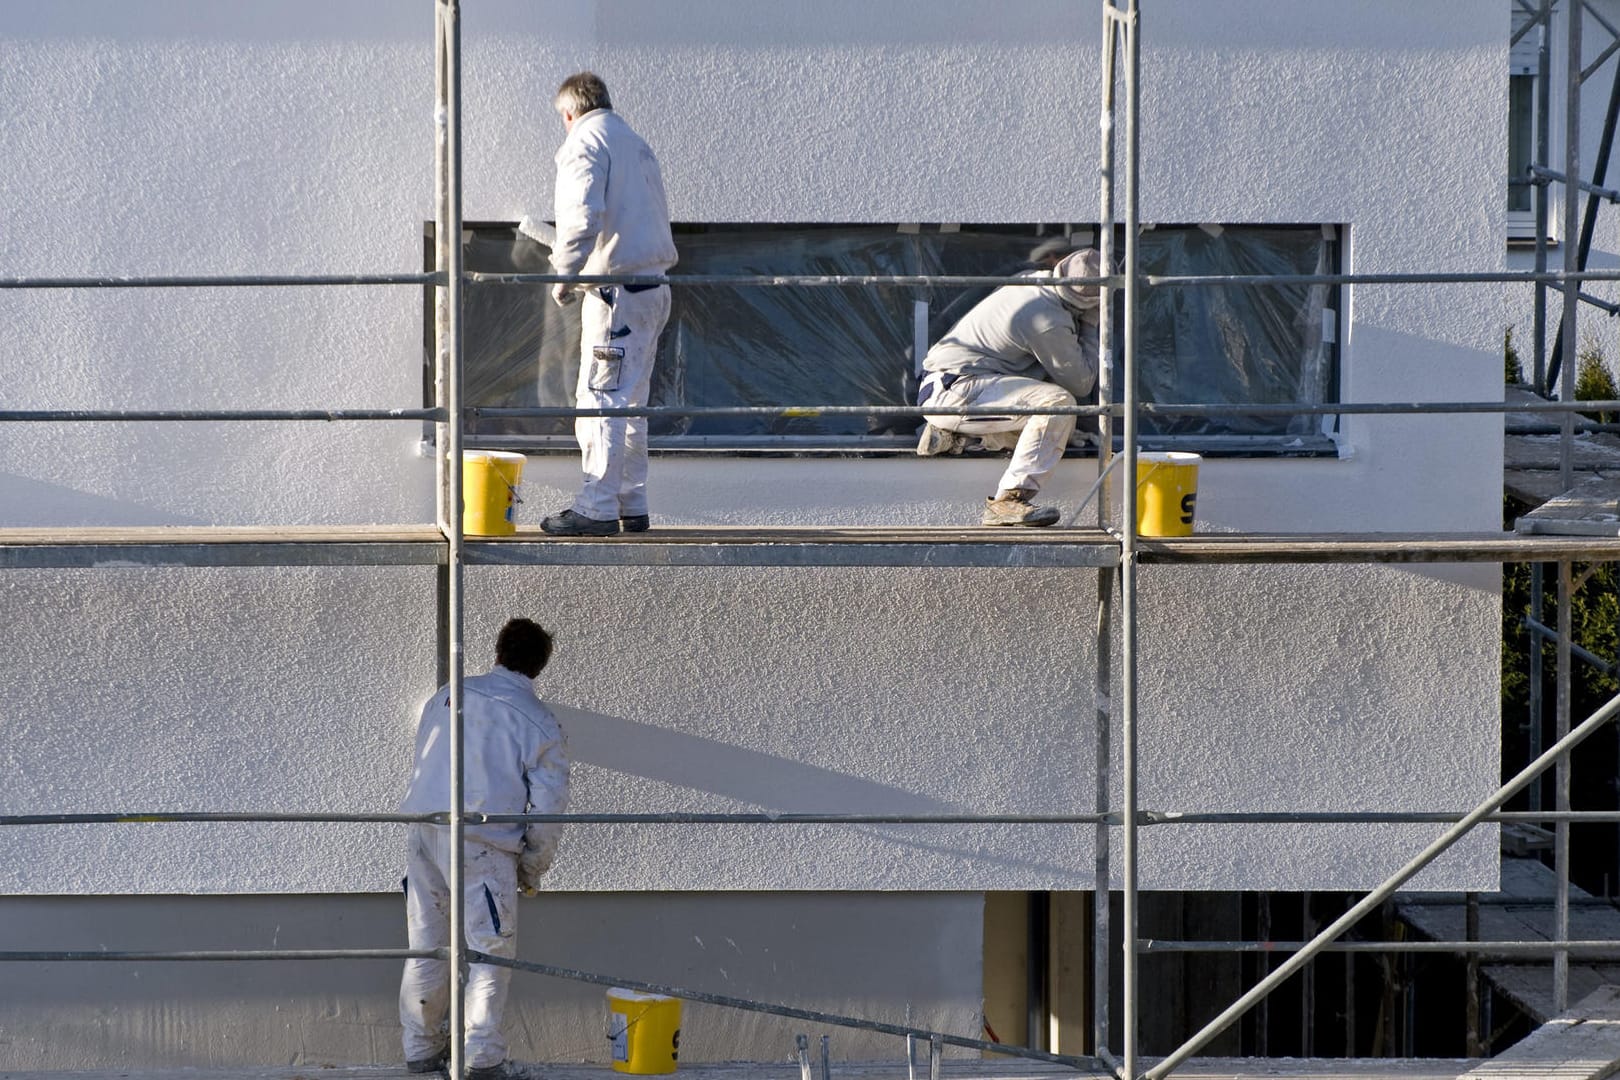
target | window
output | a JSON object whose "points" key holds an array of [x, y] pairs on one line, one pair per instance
{"points": [[857, 345], [1523, 76]]}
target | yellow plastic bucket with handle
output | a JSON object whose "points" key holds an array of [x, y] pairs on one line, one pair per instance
{"points": [[644, 1030], [1166, 493], [489, 483]]}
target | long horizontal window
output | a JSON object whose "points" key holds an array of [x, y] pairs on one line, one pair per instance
{"points": [[858, 345]]}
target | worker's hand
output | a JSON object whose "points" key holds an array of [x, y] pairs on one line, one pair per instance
{"points": [[533, 864], [563, 293]]}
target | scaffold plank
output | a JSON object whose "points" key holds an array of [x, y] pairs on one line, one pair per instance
{"points": [[683, 545], [1590, 508], [199, 545], [1378, 548], [1582, 1044]]}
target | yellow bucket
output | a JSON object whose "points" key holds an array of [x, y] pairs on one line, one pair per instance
{"points": [[645, 1031], [1166, 493], [489, 482]]}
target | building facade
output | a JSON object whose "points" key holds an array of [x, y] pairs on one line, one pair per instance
{"points": [[297, 138]]}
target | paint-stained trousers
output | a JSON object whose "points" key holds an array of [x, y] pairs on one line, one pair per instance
{"points": [[490, 906], [618, 343], [1041, 439]]}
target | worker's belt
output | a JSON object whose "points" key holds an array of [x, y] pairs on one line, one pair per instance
{"points": [[935, 382]]}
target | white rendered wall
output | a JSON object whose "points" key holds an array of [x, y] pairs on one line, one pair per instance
{"points": [[298, 138]]}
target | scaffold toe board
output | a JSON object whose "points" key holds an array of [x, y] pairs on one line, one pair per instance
{"points": [[835, 546]]}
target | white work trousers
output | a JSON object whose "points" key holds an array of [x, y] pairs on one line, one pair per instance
{"points": [[1041, 439], [490, 907], [618, 342]]}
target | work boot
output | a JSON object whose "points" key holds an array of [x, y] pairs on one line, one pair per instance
{"points": [[1014, 508], [569, 523], [433, 1063], [635, 522], [936, 440], [503, 1071]]}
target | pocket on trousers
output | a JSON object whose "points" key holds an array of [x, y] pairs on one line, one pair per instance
{"points": [[606, 363]]}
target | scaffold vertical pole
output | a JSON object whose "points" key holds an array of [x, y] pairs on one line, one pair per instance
{"points": [[1562, 791], [1127, 563], [447, 120], [1102, 885], [1543, 152], [1567, 375]]}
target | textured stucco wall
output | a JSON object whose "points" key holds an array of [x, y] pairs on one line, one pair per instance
{"points": [[212, 139]]}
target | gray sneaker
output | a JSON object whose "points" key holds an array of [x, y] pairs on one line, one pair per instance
{"points": [[936, 440], [1014, 508]]}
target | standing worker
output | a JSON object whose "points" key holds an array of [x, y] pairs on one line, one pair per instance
{"points": [[513, 762], [612, 218], [1023, 346]]}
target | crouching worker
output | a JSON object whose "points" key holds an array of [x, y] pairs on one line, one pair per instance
{"points": [[514, 762], [1023, 346]]}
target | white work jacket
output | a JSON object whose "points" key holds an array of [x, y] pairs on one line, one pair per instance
{"points": [[612, 216], [513, 756], [1022, 330]]}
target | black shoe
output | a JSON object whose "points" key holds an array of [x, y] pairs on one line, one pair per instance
{"points": [[504, 1071], [569, 523], [436, 1063], [635, 523]]}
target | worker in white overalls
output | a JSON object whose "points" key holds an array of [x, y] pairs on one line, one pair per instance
{"points": [[1023, 346], [612, 218], [513, 762]]}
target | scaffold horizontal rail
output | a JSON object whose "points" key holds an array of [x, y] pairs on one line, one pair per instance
{"points": [[177, 415], [1604, 950], [810, 817], [934, 281], [222, 281], [213, 955]]}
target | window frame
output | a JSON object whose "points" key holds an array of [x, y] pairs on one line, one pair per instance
{"points": [[1321, 442]]}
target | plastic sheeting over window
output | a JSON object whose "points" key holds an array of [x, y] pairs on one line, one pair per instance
{"points": [[782, 346]]}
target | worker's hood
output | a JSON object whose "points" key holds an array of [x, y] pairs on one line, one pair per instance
{"points": [[1083, 263]]}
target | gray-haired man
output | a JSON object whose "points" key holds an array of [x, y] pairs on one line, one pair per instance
{"points": [[612, 218]]}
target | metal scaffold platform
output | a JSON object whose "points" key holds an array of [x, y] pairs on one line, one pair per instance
{"points": [[424, 545]]}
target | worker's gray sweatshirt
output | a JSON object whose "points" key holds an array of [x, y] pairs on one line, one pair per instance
{"points": [[1022, 330]]}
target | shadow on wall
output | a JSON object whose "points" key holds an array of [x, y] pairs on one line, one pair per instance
{"points": [[26, 503], [718, 768]]}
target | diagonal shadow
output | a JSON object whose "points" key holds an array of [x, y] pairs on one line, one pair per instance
{"points": [[764, 780]]}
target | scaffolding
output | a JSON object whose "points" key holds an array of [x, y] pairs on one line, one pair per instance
{"points": [[1111, 546]]}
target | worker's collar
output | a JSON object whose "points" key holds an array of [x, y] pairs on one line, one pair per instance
{"points": [[515, 676]]}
